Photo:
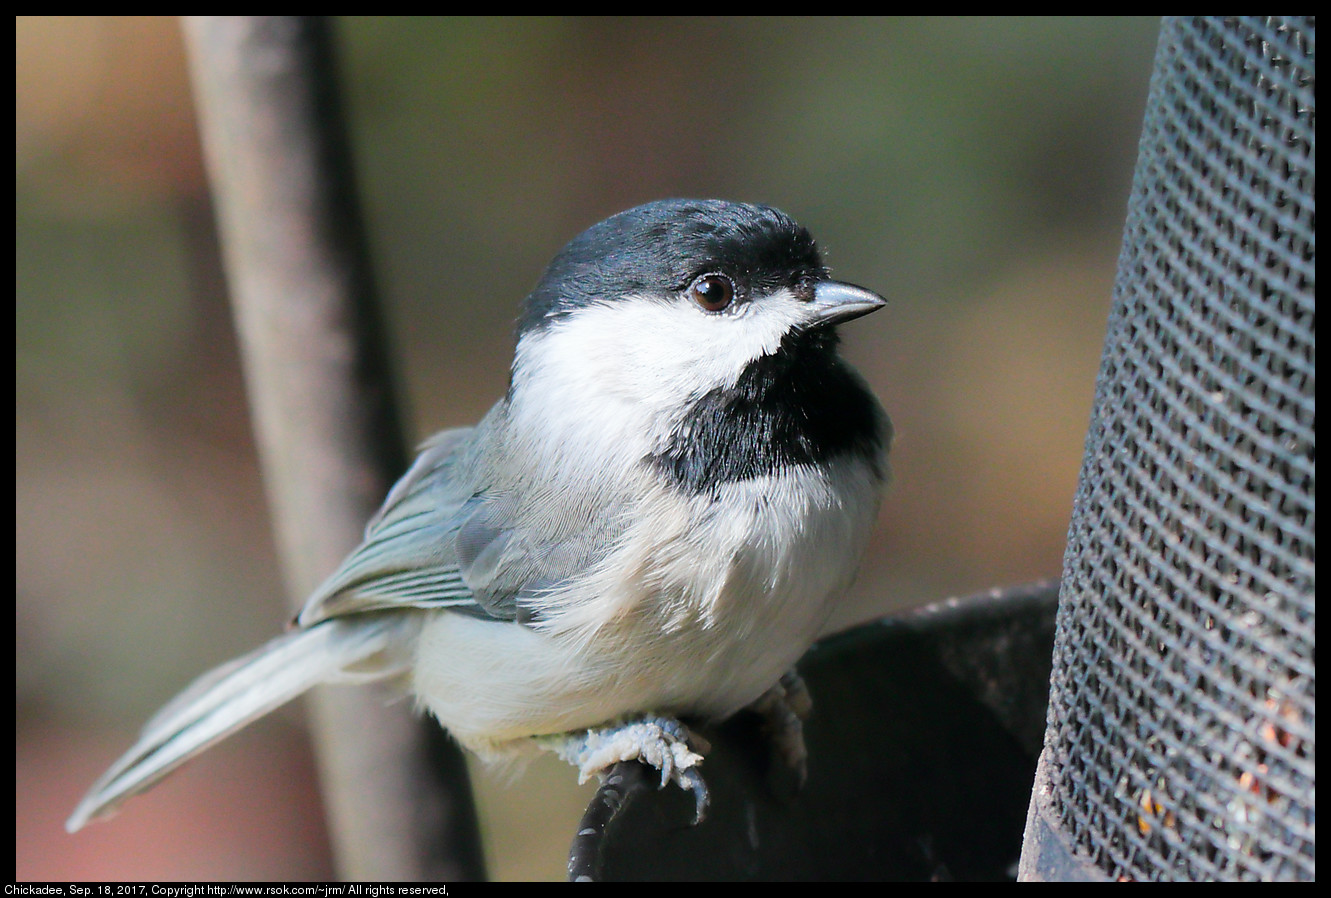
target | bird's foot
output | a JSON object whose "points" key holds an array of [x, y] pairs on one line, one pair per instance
{"points": [[660, 742], [783, 710]]}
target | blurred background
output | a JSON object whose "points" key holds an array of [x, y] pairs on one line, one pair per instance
{"points": [[973, 170]]}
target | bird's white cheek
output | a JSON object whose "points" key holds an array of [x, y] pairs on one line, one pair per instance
{"points": [[652, 355]]}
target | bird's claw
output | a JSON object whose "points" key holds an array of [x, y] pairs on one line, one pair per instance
{"points": [[783, 710], [691, 781], [659, 742]]}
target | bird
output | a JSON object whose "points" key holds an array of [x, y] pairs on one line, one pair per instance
{"points": [[651, 526]]}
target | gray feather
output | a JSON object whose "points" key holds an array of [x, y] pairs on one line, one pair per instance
{"points": [[232, 696], [407, 558], [461, 532]]}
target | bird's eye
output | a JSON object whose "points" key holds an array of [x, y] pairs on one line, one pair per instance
{"points": [[713, 292]]}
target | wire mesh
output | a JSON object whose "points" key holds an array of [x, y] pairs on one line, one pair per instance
{"points": [[1181, 731]]}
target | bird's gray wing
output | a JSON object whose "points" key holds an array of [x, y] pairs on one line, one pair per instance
{"points": [[449, 536], [406, 558], [513, 550]]}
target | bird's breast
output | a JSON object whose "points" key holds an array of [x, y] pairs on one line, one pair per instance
{"points": [[704, 602]]}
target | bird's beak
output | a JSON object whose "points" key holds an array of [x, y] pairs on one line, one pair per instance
{"points": [[834, 302]]}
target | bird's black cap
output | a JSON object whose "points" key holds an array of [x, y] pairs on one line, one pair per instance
{"points": [[663, 245]]}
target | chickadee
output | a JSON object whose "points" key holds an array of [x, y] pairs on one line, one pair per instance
{"points": [[654, 523]]}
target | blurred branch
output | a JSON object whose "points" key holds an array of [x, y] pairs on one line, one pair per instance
{"points": [[329, 438]]}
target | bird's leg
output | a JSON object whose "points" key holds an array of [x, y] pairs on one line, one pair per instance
{"points": [[783, 709], [660, 742]]}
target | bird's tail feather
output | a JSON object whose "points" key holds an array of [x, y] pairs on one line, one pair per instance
{"points": [[223, 701]]}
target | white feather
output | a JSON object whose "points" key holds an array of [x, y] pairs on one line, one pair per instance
{"points": [[688, 587], [607, 385]]}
